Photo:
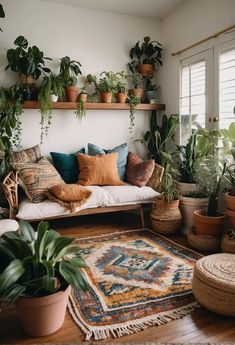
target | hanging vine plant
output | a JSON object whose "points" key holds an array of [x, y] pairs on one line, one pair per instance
{"points": [[133, 102]]}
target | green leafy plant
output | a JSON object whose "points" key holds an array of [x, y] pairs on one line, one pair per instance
{"points": [[108, 82], [10, 124], [121, 82], [133, 102], [69, 70], [168, 191], [137, 80], [146, 52], [157, 138], [2, 13], [35, 264], [26, 60], [80, 112], [149, 86]]}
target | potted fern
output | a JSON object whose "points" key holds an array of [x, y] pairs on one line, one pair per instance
{"points": [[36, 275], [69, 70]]}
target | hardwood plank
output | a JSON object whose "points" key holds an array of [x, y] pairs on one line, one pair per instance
{"points": [[199, 326]]}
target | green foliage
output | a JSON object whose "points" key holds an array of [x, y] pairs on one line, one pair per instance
{"points": [[26, 60], [157, 138], [2, 13], [137, 80], [69, 70], [36, 264], [147, 52], [107, 83], [121, 85], [133, 101], [151, 87], [10, 124], [81, 109], [168, 191]]}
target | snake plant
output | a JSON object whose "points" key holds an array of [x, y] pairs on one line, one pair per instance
{"points": [[35, 264]]}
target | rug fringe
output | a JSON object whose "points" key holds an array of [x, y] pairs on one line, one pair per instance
{"points": [[117, 331]]}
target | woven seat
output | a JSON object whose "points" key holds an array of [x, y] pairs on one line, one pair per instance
{"points": [[214, 283]]}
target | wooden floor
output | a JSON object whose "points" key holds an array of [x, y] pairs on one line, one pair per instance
{"points": [[198, 327]]}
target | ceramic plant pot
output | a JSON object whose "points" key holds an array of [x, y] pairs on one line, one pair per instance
{"points": [[187, 206], [151, 97], [138, 93], [208, 226], [231, 216], [54, 98], [230, 201], [82, 97], [186, 189], [106, 97], [166, 217], [71, 93], [121, 97], [44, 315], [146, 70]]}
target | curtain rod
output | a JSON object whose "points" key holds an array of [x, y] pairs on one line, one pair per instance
{"points": [[204, 40]]}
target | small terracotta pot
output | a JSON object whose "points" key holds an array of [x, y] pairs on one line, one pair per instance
{"points": [[71, 93], [230, 201], [208, 226], [26, 79], [121, 97], [82, 97], [231, 216], [138, 93], [146, 70], [44, 315], [106, 97]]}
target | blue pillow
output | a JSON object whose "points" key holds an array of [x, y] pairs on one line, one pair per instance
{"points": [[94, 150], [66, 165]]}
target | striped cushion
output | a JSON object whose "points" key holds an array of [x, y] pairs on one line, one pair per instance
{"points": [[36, 178], [30, 155]]}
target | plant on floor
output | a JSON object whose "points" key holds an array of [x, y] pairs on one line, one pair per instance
{"points": [[2, 14], [145, 53], [10, 124], [168, 191]]}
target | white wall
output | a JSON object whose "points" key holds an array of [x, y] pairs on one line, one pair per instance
{"points": [[100, 41], [192, 21]]}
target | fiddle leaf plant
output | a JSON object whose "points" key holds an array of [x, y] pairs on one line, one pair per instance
{"points": [[69, 70], [38, 264]]}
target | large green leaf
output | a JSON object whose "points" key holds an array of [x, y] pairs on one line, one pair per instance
{"points": [[72, 275], [77, 262], [73, 249], [11, 274], [61, 243], [27, 231]]}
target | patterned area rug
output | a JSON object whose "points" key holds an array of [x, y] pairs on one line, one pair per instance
{"points": [[137, 279]]}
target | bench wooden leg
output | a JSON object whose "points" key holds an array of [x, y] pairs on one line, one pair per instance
{"points": [[142, 216]]}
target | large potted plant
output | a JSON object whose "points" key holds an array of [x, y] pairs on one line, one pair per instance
{"points": [[146, 56], [36, 275], [69, 70], [29, 62], [138, 89]]}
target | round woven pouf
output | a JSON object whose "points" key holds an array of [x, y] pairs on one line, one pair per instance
{"points": [[214, 283]]}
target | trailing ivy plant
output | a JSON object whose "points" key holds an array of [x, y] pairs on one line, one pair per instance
{"points": [[10, 124], [80, 112], [133, 102]]}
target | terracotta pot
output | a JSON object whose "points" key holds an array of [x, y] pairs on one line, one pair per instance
{"points": [[209, 244], [230, 201], [71, 93], [231, 216], [208, 226], [26, 79], [138, 93], [82, 97], [146, 70], [166, 217], [121, 97], [44, 315], [186, 189], [106, 97], [187, 207], [228, 244]]}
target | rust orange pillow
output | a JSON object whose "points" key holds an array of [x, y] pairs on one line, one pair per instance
{"points": [[98, 170], [138, 171]]}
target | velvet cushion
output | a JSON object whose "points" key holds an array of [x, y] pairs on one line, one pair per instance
{"points": [[66, 165], [36, 178], [30, 155], [122, 151], [138, 171], [98, 170]]}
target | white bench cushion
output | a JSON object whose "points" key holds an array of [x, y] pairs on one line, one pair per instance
{"points": [[8, 225]]}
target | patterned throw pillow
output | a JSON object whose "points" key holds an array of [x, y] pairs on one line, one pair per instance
{"points": [[36, 178], [30, 155], [122, 151], [138, 171], [98, 170]]}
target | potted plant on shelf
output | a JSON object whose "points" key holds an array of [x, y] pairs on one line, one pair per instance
{"points": [[29, 62], [138, 90], [36, 274], [151, 91], [69, 70], [121, 87], [165, 216], [145, 57], [106, 86]]}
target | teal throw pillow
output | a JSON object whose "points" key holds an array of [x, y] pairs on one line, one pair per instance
{"points": [[122, 150], [66, 165]]}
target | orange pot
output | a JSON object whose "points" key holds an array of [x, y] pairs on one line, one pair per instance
{"points": [[71, 93], [82, 97], [44, 315], [146, 70], [231, 216], [106, 97], [121, 97], [208, 226], [26, 79], [230, 201], [138, 93]]}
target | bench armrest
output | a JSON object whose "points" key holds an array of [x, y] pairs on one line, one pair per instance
{"points": [[10, 188], [156, 177]]}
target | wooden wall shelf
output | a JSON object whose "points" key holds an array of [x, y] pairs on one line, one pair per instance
{"points": [[96, 106]]}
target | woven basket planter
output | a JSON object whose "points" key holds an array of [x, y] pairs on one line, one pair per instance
{"points": [[213, 283], [208, 244], [228, 245], [166, 217]]}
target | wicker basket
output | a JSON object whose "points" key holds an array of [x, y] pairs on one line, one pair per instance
{"points": [[213, 283], [209, 244], [228, 245]]}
